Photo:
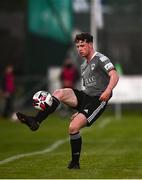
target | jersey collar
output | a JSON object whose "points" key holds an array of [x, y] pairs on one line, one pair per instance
{"points": [[93, 55]]}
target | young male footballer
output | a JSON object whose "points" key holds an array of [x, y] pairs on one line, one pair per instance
{"points": [[99, 77]]}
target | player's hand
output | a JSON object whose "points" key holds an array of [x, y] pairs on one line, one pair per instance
{"points": [[74, 115], [105, 95]]}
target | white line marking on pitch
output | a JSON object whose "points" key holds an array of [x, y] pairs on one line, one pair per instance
{"points": [[47, 150], [52, 147]]}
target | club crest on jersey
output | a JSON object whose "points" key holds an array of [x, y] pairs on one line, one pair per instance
{"points": [[93, 66]]}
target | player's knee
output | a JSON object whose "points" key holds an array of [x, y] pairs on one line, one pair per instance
{"points": [[73, 129], [58, 94]]}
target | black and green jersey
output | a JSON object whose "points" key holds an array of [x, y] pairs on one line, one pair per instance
{"points": [[94, 74]]}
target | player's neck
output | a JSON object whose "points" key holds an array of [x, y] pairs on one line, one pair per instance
{"points": [[90, 56]]}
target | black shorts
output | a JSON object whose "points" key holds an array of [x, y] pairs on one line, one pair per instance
{"points": [[90, 106]]}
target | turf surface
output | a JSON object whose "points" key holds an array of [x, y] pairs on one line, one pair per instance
{"points": [[111, 149]]}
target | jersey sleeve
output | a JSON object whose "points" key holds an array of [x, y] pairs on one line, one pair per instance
{"points": [[106, 64]]}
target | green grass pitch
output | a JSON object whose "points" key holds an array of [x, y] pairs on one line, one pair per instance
{"points": [[111, 149]]}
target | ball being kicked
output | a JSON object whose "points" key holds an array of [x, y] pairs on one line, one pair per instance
{"points": [[41, 100]]}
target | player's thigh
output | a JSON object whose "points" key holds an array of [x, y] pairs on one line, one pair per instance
{"points": [[67, 96], [77, 123]]}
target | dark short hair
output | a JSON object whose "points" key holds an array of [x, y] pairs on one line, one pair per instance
{"points": [[84, 36]]}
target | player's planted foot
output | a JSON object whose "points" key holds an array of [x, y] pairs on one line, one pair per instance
{"points": [[28, 120], [73, 165]]}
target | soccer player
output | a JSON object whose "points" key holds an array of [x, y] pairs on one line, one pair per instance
{"points": [[99, 77]]}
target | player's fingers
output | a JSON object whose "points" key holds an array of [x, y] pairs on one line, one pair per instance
{"points": [[103, 98]]}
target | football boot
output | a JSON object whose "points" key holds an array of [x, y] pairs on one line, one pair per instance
{"points": [[73, 165], [28, 120]]}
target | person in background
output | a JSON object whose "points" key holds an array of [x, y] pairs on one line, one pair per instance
{"points": [[8, 88], [69, 77], [69, 74]]}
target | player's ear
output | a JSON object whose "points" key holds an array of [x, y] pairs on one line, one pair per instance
{"points": [[90, 44]]}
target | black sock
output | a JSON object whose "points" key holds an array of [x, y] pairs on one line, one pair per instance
{"points": [[49, 109], [76, 142]]}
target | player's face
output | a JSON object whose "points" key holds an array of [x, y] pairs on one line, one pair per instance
{"points": [[83, 48]]}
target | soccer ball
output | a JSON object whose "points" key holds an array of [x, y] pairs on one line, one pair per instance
{"points": [[41, 100]]}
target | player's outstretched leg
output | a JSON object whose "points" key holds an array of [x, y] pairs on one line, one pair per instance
{"points": [[34, 122], [42, 115], [28, 120]]}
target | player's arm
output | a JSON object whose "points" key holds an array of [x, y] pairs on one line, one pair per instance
{"points": [[112, 83]]}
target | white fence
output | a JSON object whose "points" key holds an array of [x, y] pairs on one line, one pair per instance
{"points": [[128, 90]]}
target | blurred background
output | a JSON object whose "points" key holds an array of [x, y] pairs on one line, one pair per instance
{"points": [[36, 37], [36, 53]]}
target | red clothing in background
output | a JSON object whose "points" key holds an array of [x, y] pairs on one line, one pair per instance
{"points": [[9, 83], [69, 76]]}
